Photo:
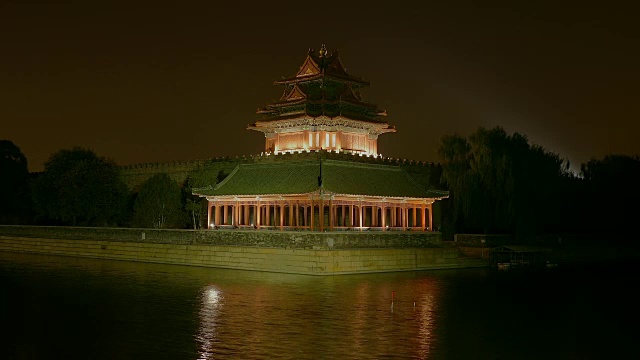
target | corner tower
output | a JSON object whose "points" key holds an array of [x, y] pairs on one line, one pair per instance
{"points": [[321, 109]]}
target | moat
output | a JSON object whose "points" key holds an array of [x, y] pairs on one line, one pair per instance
{"points": [[65, 307]]}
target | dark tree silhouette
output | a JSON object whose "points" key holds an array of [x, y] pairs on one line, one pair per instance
{"points": [[195, 206], [80, 188], [499, 183], [613, 189], [159, 204], [14, 198]]}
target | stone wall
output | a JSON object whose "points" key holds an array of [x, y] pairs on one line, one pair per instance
{"points": [[254, 238], [481, 240], [135, 175], [289, 252]]}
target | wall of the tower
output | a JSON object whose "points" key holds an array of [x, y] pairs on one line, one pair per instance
{"points": [[270, 144], [361, 143], [290, 141]]}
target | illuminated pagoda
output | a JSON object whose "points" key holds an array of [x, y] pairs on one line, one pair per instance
{"points": [[322, 109], [332, 185]]}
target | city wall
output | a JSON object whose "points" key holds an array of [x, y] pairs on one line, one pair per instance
{"points": [[289, 252]]}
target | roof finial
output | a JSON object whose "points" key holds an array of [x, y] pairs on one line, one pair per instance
{"points": [[323, 51]]}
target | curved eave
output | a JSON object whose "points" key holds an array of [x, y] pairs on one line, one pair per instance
{"points": [[360, 103], [257, 196], [287, 102], [323, 120], [352, 197], [299, 79], [387, 198], [299, 101]]}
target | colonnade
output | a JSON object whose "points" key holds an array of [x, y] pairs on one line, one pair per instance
{"points": [[321, 213]]}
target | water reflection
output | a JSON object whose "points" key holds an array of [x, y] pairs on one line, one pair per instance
{"points": [[425, 308], [212, 300], [61, 307], [266, 315]]}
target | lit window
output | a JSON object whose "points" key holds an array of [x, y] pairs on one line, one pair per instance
{"points": [[310, 139], [326, 140], [333, 140]]}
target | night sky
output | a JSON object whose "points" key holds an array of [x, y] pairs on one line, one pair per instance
{"points": [[157, 82]]}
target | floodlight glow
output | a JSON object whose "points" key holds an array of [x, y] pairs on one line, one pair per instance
{"points": [[212, 295]]}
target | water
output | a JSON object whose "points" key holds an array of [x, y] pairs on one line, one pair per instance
{"points": [[72, 308]]}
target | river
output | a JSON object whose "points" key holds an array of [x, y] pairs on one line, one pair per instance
{"points": [[72, 308]]}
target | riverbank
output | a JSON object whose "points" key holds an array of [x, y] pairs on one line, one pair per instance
{"points": [[313, 253]]}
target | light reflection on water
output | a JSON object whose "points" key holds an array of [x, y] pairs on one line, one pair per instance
{"points": [[212, 299], [64, 307], [318, 317], [426, 312]]}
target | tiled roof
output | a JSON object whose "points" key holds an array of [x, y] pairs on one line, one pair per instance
{"points": [[319, 65], [322, 87], [338, 177]]}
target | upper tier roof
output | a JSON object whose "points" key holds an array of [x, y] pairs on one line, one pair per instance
{"points": [[321, 88], [347, 103], [319, 65]]}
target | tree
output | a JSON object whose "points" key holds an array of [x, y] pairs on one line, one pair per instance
{"points": [[159, 204], [80, 188], [14, 198], [195, 206], [499, 182], [613, 191]]}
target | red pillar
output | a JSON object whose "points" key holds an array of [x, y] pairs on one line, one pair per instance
{"points": [[321, 214], [281, 214], [258, 211], [331, 215], [312, 211], [430, 217]]}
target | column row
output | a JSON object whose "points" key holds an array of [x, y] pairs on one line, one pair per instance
{"points": [[321, 215]]}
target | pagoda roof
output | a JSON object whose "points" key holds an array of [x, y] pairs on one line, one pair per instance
{"points": [[338, 178], [297, 96], [304, 113], [311, 101], [303, 100], [319, 65]]}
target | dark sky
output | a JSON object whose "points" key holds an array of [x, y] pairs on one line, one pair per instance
{"points": [[156, 81]]}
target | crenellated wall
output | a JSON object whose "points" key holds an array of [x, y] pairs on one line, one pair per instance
{"points": [[135, 175]]}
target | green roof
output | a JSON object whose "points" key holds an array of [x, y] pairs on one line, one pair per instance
{"points": [[338, 177]]}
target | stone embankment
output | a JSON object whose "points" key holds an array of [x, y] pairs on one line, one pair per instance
{"points": [[552, 248], [315, 253]]}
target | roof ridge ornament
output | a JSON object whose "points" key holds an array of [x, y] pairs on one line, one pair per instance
{"points": [[323, 51]]}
